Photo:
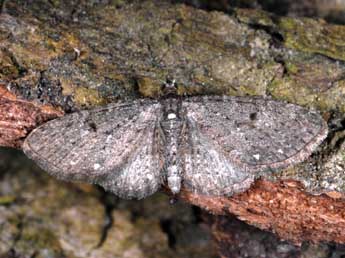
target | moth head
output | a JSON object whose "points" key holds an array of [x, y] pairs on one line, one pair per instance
{"points": [[169, 87]]}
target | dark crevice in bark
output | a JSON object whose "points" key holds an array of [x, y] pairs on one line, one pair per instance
{"points": [[109, 202], [11, 254], [276, 36], [2, 6], [166, 226], [336, 135]]}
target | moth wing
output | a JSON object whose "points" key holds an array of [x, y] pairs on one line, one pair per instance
{"points": [[206, 169], [255, 132], [230, 139], [102, 146], [141, 176]]}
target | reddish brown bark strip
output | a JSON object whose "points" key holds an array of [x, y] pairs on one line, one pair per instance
{"points": [[283, 208], [18, 117]]}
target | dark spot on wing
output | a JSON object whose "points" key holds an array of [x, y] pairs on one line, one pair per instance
{"points": [[93, 126], [253, 116]]}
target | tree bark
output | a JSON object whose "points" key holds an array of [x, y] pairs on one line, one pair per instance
{"points": [[61, 58]]}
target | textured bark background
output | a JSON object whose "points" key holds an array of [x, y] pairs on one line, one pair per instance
{"points": [[61, 56]]}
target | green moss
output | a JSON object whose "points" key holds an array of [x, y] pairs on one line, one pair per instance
{"points": [[88, 97], [7, 199], [297, 92], [55, 3], [291, 67], [38, 238], [313, 36], [7, 69], [149, 87], [254, 16]]}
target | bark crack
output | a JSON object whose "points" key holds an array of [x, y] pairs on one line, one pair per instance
{"points": [[109, 201]]}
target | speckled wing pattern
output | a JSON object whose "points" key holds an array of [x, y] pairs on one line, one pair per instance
{"points": [[106, 146], [207, 169], [233, 139], [222, 143]]}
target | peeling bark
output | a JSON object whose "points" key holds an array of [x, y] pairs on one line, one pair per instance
{"points": [[284, 208], [18, 117]]}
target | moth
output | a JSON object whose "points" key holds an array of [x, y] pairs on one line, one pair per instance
{"points": [[210, 145]]}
